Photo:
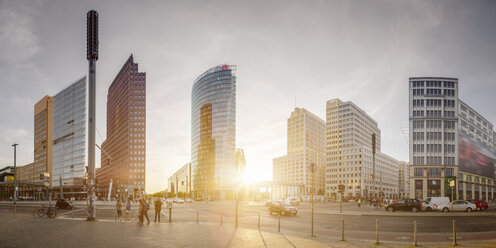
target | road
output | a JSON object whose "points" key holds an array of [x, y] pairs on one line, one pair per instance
{"points": [[359, 223]]}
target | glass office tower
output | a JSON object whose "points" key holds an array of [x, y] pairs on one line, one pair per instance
{"points": [[69, 139], [213, 106]]}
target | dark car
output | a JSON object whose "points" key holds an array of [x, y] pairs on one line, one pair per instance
{"points": [[405, 205], [282, 208], [64, 204], [480, 205]]}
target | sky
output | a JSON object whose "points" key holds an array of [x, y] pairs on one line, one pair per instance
{"points": [[288, 53]]}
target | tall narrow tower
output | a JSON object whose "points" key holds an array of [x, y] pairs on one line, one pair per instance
{"points": [[92, 56]]}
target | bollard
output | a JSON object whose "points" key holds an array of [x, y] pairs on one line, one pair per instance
{"points": [[376, 231], [279, 224], [414, 233], [170, 215], [73, 212], [221, 222], [258, 220], [342, 229], [197, 216], [454, 234]]}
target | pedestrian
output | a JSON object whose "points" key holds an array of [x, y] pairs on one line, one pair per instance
{"points": [[145, 210], [158, 209], [118, 208], [128, 210], [141, 212], [359, 202]]}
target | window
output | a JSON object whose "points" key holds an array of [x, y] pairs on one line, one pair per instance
{"points": [[449, 172], [418, 172], [433, 172]]}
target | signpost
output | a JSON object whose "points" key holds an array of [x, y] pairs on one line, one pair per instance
{"points": [[341, 190]]}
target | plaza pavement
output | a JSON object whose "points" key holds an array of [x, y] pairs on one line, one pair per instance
{"points": [[28, 231]]}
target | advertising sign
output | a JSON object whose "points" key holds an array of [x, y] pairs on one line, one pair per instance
{"points": [[475, 157]]}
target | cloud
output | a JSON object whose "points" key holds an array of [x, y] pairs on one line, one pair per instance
{"points": [[18, 39]]}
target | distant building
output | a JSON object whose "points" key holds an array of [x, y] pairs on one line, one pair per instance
{"points": [[123, 159], [180, 181], [306, 147], [450, 141], [43, 141], [349, 154], [403, 180], [213, 133], [69, 140], [240, 161]]}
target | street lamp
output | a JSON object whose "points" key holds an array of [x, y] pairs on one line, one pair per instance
{"points": [[15, 177]]}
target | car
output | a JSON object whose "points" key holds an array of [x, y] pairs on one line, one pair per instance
{"points": [[282, 208], [180, 201], [295, 201], [189, 200], [405, 205], [428, 206], [169, 200], [268, 203], [459, 205], [436, 201], [480, 205], [64, 204]]}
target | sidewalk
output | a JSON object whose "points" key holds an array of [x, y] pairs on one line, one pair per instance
{"points": [[25, 231]]}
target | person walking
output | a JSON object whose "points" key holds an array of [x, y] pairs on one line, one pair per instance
{"points": [[128, 210], [158, 209], [141, 212], [146, 207], [359, 202], [118, 208]]}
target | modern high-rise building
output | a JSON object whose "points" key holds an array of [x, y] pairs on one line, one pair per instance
{"points": [[43, 140], [449, 141], [349, 154], [305, 148], [213, 133], [69, 139], [123, 156], [403, 180], [240, 162], [180, 181]]}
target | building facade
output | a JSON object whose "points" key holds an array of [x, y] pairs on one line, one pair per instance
{"points": [[43, 140], [180, 181], [305, 148], [403, 180], [69, 139], [449, 141], [240, 162], [123, 156], [349, 155], [213, 133]]}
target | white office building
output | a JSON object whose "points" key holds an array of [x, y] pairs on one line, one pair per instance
{"points": [[349, 158]]}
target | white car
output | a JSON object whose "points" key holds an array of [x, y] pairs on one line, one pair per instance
{"points": [[428, 206], [457, 206]]}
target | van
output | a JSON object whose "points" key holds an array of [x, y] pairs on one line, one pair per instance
{"points": [[436, 201]]}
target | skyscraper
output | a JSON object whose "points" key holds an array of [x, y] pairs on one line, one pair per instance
{"points": [[449, 141], [69, 139], [213, 99], [43, 136], [123, 159], [306, 147], [349, 154]]}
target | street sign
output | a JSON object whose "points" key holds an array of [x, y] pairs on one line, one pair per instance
{"points": [[452, 183]]}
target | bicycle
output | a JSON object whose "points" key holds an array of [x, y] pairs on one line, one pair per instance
{"points": [[48, 211]]}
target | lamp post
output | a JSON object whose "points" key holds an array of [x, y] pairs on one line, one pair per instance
{"points": [[312, 190], [15, 177]]}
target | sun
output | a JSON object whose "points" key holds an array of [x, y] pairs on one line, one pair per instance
{"points": [[251, 176]]}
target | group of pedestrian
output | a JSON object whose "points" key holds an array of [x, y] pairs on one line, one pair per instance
{"points": [[144, 206], [118, 208]]}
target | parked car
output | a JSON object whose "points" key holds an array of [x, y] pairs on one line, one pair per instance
{"points": [[178, 200], [268, 203], [169, 200], [404, 205], [459, 205], [189, 200], [282, 208], [428, 206], [64, 204], [436, 201], [295, 201], [479, 205]]}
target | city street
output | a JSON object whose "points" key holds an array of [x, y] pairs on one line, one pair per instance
{"points": [[359, 223]]}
